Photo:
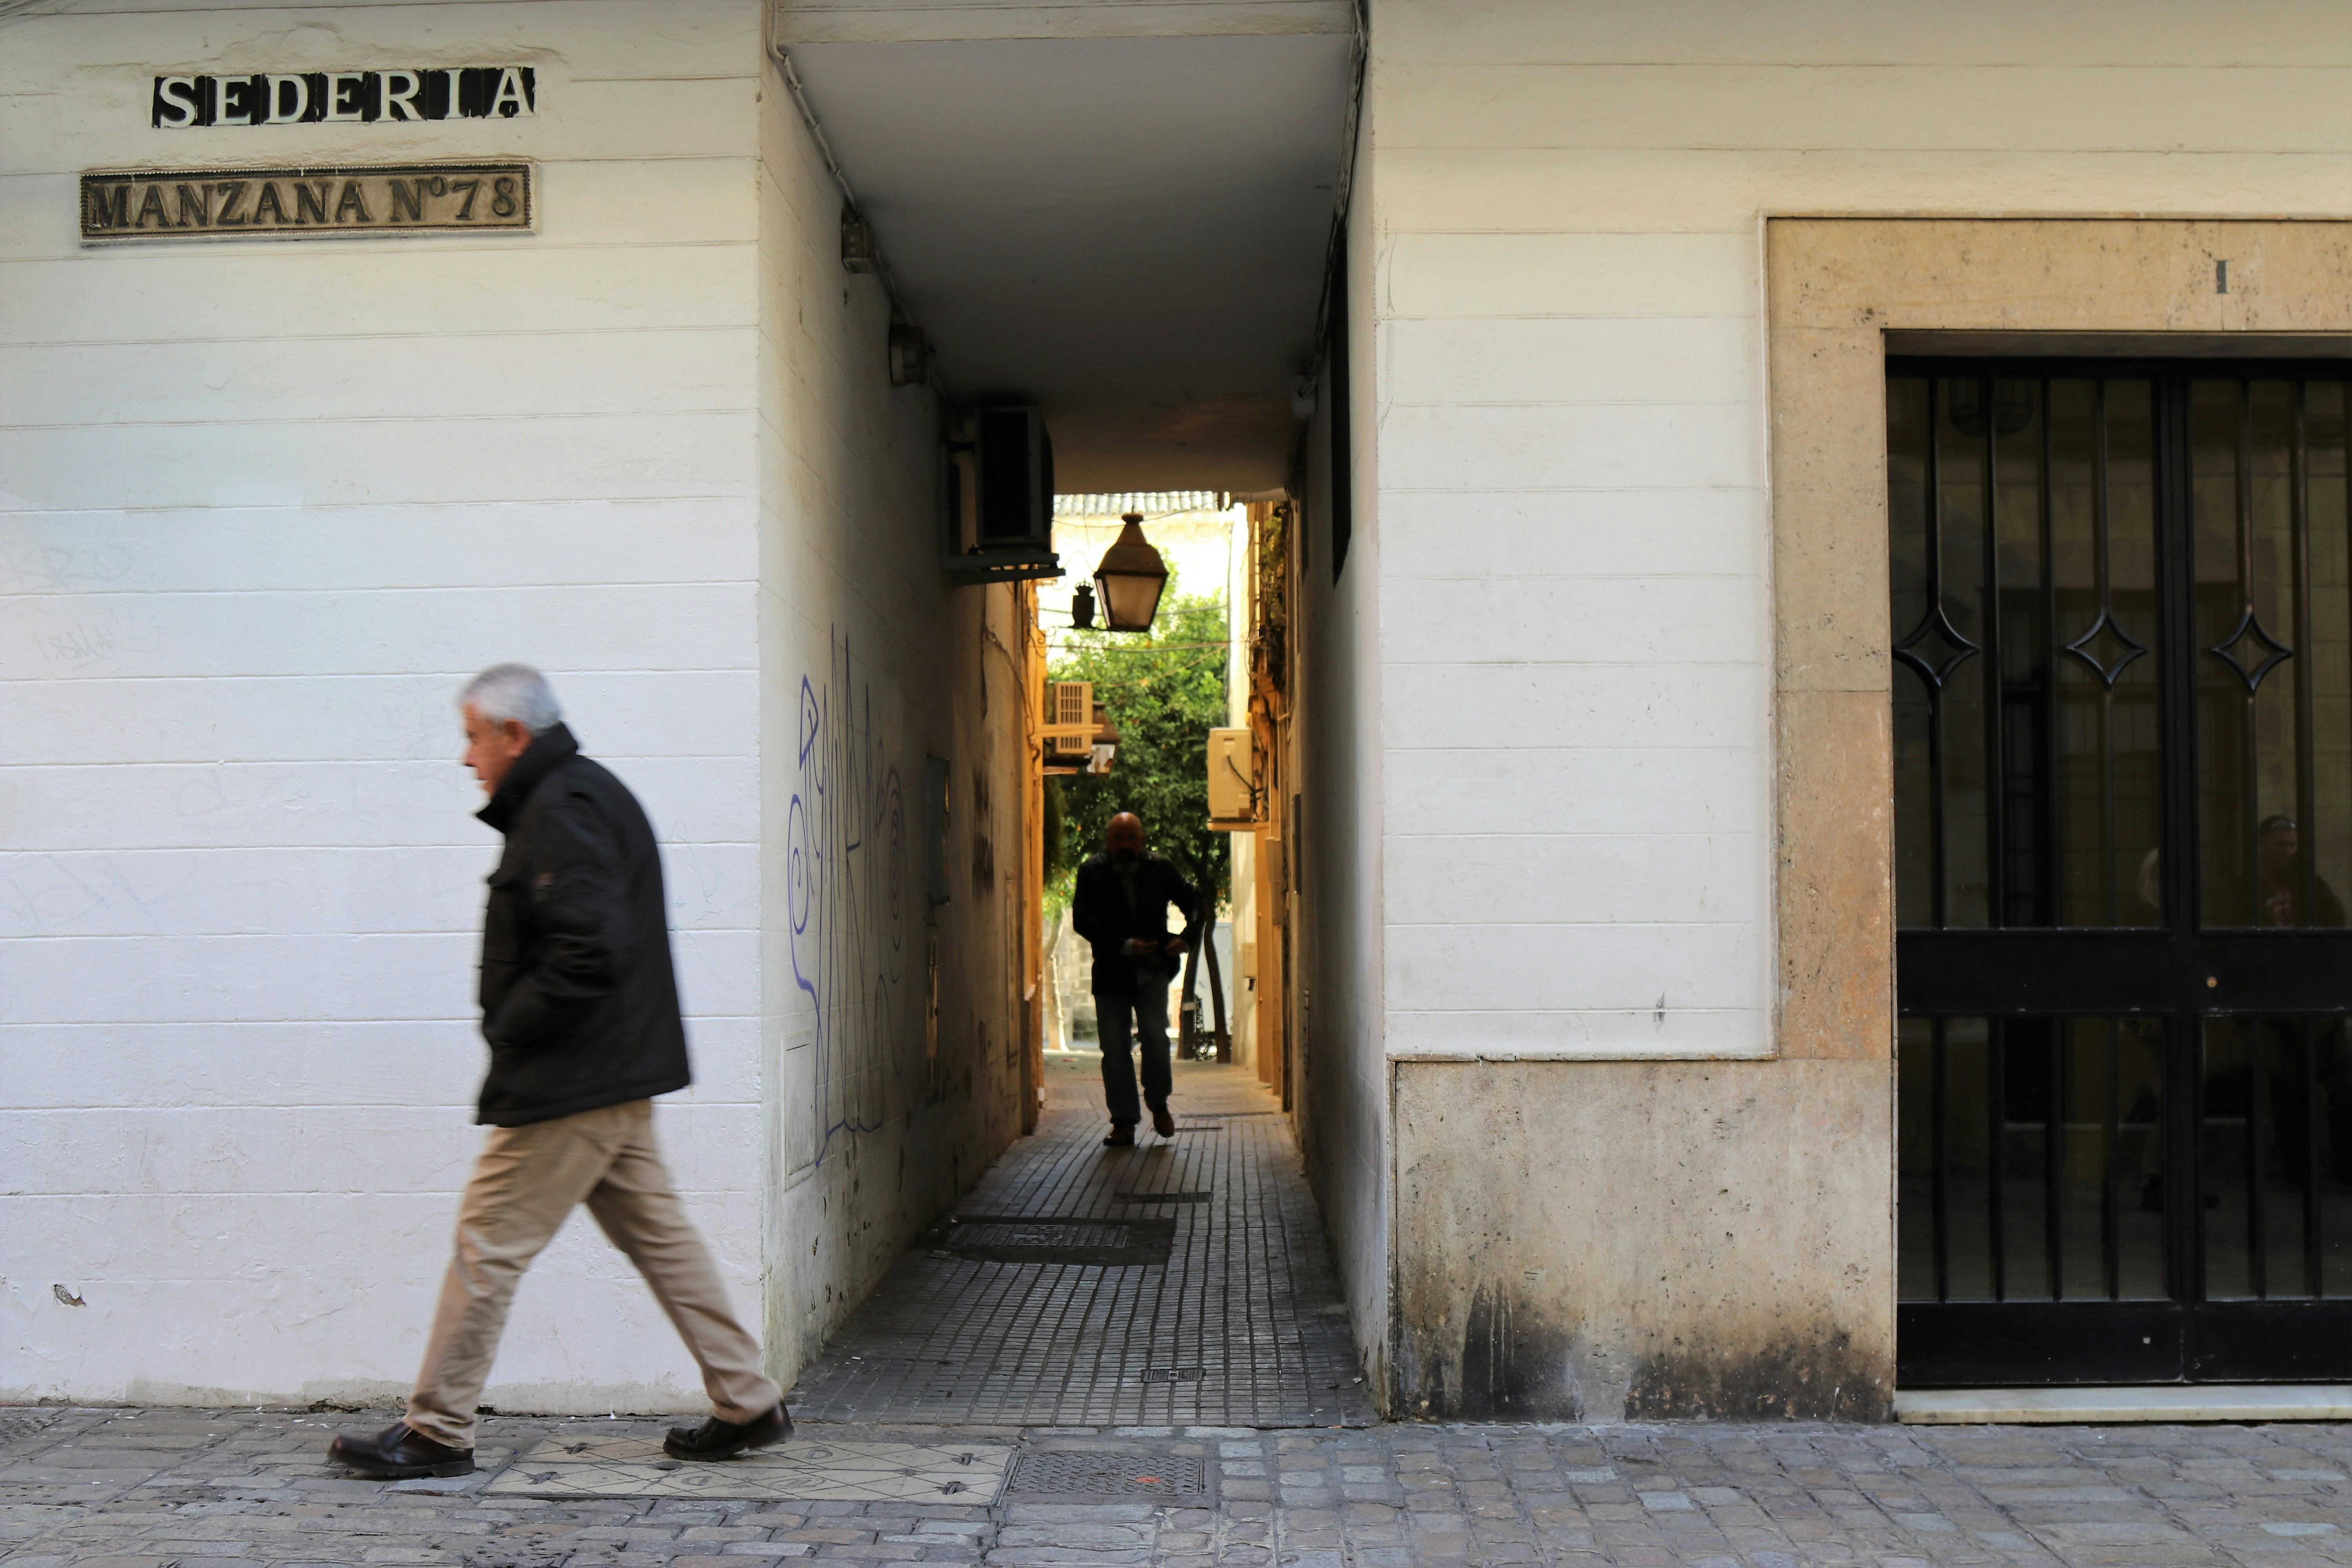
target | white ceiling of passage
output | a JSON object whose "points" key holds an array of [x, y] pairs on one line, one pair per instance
{"points": [[1118, 209]]}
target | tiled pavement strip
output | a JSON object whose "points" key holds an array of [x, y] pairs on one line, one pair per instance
{"points": [[1239, 1298], [197, 1489]]}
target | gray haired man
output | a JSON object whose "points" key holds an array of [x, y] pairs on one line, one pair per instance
{"points": [[580, 1008]]}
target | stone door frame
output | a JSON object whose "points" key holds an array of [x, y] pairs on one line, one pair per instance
{"points": [[1839, 292]]}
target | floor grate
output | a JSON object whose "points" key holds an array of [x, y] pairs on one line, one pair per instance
{"points": [[1171, 1374], [1023, 1238], [1133, 1197], [1109, 1473], [1034, 1233]]}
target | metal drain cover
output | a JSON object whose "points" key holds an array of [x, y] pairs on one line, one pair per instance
{"points": [[1171, 1374], [1135, 1197], [1109, 1473], [1030, 1239], [1053, 1233]]}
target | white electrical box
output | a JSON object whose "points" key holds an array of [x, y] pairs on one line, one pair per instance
{"points": [[1233, 779]]}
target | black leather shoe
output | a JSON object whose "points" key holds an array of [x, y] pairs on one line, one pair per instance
{"points": [[1122, 1136], [398, 1454], [1163, 1123], [717, 1439]]}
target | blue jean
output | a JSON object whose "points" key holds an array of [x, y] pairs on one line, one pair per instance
{"points": [[1125, 1022]]}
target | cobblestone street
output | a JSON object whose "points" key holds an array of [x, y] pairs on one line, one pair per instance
{"points": [[195, 1489]]}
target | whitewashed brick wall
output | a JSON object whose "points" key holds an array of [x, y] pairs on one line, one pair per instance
{"points": [[878, 1125], [263, 507], [1572, 466]]}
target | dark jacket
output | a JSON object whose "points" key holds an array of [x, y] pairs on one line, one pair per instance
{"points": [[1104, 913], [579, 1000]]}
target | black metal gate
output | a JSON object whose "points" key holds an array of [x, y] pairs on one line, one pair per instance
{"points": [[2122, 605]]}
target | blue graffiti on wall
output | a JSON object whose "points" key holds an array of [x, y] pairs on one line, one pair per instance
{"points": [[847, 881]]}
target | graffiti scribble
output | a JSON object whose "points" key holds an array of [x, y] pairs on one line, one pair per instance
{"points": [[846, 880]]}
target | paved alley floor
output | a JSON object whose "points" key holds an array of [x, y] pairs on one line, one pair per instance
{"points": [[147, 1488], [1241, 1324], [1138, 1357]]}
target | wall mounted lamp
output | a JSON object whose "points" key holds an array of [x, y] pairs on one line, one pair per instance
{"points": [[910, 356], [858, 251]]}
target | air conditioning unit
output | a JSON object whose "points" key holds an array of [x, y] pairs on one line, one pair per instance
{"points": [[1069, 720], [1233, 779], [997, 482], [1016, 479]]}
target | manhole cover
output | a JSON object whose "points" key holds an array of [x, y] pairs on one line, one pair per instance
{"points": [[1053, 1233], [1171, 1374], [1114, 1473], [1029, 1239], [15, 1425], [1133, 1197]]}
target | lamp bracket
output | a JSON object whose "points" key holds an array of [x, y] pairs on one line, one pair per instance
{"points": [[974, 566]]}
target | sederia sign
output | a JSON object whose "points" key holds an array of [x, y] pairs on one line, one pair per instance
{"points": [[312, 98]]}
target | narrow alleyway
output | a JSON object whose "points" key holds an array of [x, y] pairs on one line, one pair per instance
{"points": [[1241, 1325]]}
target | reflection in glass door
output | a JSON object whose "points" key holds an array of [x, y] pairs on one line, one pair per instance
{"points": [[2122, 632]]}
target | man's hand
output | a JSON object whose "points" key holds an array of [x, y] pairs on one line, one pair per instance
{"points": [[1172, 946]]}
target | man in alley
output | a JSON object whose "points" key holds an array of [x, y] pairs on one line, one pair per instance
{"points": [[579, 1010], [1120, 907]]}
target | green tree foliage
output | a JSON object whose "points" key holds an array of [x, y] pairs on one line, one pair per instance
{"points": [[1165, 692]]}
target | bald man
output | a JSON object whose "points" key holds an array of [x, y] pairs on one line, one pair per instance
{"points": [[1121, 908]]}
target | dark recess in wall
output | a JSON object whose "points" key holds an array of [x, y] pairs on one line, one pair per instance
{"points": [[1343, 468]]}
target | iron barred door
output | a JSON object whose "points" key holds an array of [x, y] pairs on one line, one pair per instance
{"points": [[2122, 612]]}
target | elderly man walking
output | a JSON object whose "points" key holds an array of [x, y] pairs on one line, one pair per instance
{"points": [[1120, 907], [580, 1008]]}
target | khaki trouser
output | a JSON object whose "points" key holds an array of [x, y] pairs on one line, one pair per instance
{"points": [[523, 1187]]}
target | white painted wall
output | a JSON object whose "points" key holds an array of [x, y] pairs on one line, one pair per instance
{"points": [[1341, 1074], [1565, 208], [873, 664], [1573, 466], [267, 505], [263, 507]]}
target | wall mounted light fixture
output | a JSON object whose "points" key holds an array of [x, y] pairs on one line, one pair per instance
{"points": [[910, 356], [858, 251]]}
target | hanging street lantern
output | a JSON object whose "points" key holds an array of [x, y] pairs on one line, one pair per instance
{"points": [[1082, 607], [1131, 578]]}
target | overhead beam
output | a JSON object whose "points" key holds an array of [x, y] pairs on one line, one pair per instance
{"points": [[801, 21]]}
